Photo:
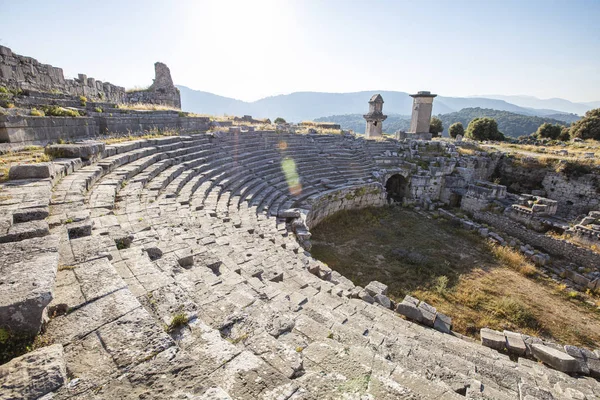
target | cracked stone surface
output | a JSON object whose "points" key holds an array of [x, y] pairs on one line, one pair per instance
{"points": [[187, 285]]}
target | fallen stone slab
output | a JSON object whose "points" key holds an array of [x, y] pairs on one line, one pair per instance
{"points": [[443, 323], [554, 358], [515, 343], [32, 171], [492, 339], [34, 374], [25, 230], [27, 274], [409, 308], [428, 313], [383, 301], [85, 150], [592, 359], [530, 340], [577, 354], [375, 288], [365, 296]]}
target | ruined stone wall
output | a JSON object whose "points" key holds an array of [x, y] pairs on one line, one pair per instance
{"points": [[42, 130], [162, 91], [349, 198], [28, 74], [520, 177], [138, 123], [575, 196], [560, 248]]}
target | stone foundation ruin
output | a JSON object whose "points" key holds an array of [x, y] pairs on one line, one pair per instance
{"points": [[178, 267]]}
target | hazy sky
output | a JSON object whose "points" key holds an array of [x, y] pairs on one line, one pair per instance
{"points": [[249, 49]]}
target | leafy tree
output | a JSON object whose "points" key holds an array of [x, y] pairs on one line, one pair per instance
{"points": [[456, 129], [588, 127], [484, 129], [510, 123], [279, 120], [549, 131], [435, 126], [565, 134]]}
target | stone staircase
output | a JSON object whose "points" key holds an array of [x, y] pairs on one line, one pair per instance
{"points": [[187, 285]]}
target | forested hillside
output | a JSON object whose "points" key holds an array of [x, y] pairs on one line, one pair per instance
{"points": [[357, 123], [510, 124]]}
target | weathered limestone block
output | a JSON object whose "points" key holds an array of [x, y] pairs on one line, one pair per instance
{"points": [[365, 296], [34, 374], [577, 354], [409, 308], [383, 300], [25, 230], [443, 323], [86, 151], [291, 213], [592, 360], [31, 171], [554, 358], [492, 339], [80, 229], [27, 273], [30, 214], [374, 288], [428, 313], [515, 343]]}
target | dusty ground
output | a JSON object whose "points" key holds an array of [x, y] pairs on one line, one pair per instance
{"points": [[455, 271]]}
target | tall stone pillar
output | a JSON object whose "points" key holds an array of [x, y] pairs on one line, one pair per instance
{"points": [[375, 117], [421, 115]]}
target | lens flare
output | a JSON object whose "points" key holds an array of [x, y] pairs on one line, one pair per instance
{"points": [[288, 166], [282, 145]]}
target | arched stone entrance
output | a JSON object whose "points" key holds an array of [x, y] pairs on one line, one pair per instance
{"points": [[396, 187]]}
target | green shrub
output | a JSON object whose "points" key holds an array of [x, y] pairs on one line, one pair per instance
{"points": [[83, 100], [3, 89], [549, 131], [588, 127], [98, 109], [441, 284], [484, 129], [36, 113], [279, 120], [435, 126], [179, 320], [456, 129]]}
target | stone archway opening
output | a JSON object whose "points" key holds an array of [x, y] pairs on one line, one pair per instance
{"points": [[396, 187]]}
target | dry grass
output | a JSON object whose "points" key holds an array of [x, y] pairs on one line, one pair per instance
{"points": [[546, 154], [454, 270], [29, 155], [149, 135], [146, 107], [514, 260]]}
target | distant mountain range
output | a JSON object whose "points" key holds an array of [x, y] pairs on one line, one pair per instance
{"points": [[545, 105], [300, 106]]}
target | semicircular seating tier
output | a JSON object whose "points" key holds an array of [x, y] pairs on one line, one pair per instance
{"points": [[176, 279]]}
